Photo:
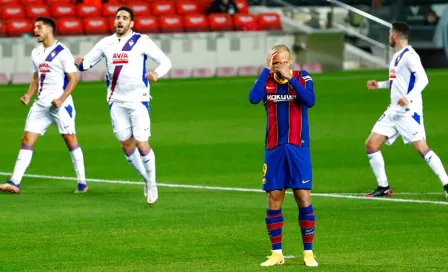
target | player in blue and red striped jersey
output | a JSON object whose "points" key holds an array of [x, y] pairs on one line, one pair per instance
{"points": [[287, 95]]}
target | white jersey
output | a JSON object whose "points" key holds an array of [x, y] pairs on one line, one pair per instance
{"points": [[51, 65], [126, 65], [407, 78]]}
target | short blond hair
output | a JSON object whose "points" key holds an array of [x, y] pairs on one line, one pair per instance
{"points": [[280, 48]]}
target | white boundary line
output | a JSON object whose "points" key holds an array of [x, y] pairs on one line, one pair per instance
{"points": [[216, 188]]}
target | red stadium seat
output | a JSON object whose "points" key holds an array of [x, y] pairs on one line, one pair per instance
{"points": [[6, 2], [196, 23], [2, 28], [225, 71], [179, 73], [171, 23], [201, 72], [96, 25], [220, 22], [59, 10], [140, 8], [147, 24], [18, 27], [204, 4], [25, 3], [84, 10], [184, 7], [246, 22], [33, 11], [21, 78], [3, 79], [12, 11], [51, 2], [160, 8], [270, 21], [242, 5], [69, 26], [110, 10], [247, 71]]}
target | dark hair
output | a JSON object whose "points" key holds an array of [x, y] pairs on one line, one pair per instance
{"points": [[47, 21], [128, 9], [401, 28]]}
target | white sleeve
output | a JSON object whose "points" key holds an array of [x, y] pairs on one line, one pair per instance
{"points": [[421, 79], [68, 62], [93, 57], [384, 84], [151, 50], [35, 68]]}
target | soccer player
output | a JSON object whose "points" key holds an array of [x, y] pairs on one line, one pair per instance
{"points": [[54, 80], [126, 53], [287, 95], [404, 116]]}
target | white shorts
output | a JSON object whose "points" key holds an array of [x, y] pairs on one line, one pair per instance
{"points": [[130, 119], [410, 127], [41, 117]]}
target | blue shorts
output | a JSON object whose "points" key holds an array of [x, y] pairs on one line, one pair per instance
{"points": [[287, 166]]}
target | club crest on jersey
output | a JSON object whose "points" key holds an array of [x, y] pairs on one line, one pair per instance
{"points": [[44, 68], [392, 73], [120, 58], [280, 97]]}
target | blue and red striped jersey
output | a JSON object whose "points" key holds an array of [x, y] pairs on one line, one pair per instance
{"points": [[286, 105]]}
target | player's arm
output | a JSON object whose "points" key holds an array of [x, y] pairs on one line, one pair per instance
{"points": [[32, 89], [421, 79], [304, 94], [258, 92], [151, 50], [70, 72], [91, 59]]}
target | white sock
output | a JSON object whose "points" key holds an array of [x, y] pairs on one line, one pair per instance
{"points": [[22, 163], [377, 163], [149, 162], [78, 163], [279, 251], [136, 162], [436, 165]]}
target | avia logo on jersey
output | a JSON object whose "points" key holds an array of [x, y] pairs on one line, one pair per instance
{"points": [[392, 73], [44, 68], [280, 97], [120, 58]]}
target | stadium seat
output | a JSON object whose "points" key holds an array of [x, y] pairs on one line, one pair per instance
{"points": [[313, 68], [109, 10], [171, 23], [242, 5], [140, 8], [18, 27], [246, 22], [225, 71], [147, 24], [12, 11], [95, 25], [2, 28], [21, 78], [26, 3], [184, 7], [6, 2], [196, 23], [247, 71], [220, 22], [179, 73], [69, 26], [92, 76], [201, 72], [36, 10], [270, 21], [3, 79], [160, 8], [59, 10], [51, 2], [85, 10], [203, 5]]}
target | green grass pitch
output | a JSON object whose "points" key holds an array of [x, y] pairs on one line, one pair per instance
{"points": [[205, 132]]}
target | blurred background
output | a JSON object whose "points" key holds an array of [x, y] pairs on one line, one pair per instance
{"points": [[207, 38]]}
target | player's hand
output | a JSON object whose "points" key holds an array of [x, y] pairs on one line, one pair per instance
{"points": [[152, 76], [78, 60], [403, 101], [57, 103], [285, 71], [25, 99], [270, 58], [372, 85]]}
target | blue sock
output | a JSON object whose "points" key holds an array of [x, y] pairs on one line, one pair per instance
{"points": [[274, 225], [307, 224]]}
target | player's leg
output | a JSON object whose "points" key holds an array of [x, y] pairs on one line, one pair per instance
{"points": [[384, 131], [37, 122], [274, 175], [141, 130]]}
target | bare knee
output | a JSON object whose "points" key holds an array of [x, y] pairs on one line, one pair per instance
{"points": [[303, 198], [71, 141], [374, 142], [29, 138], [143, 147], [275, 199], [128, 146], [421, 147]]}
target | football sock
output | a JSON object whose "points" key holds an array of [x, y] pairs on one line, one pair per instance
{"points": [[78, 163], [274, 225], [149, 162], [436, 165], [307, 224], [135, 161], [22, 163], [377, 163]]}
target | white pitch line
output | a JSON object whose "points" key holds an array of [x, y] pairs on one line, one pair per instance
{"points": [[235, 189]]}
